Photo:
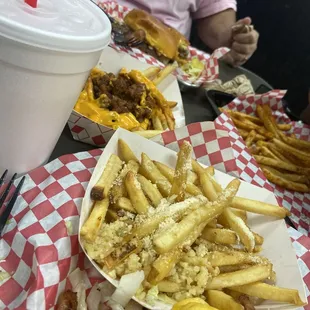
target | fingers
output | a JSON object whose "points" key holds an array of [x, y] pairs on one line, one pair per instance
{"points": [[244, 49], [234, 59], [238, 58], [244, 21], [247, 38]]}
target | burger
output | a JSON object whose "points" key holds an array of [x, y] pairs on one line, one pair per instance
{"points": [[158, 40]]}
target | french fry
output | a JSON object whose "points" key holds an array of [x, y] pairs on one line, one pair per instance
{"points": [[108, 176], [266, 152], [207, 186], [151, 72], [259, 240], [136, 195], [150, 190], [165, 262], [156, 122], [242, 116], [289, 176], [301, 156], [266, 119], [259, 137], [197, 261], [150, 171], [268, 113], [217, 186], [126, 154], [281, 165], [250, 138], [89, 88], [251, 126], [118, 189], [169, 118], [259, 207], [172, 104], [243, 133], [162, 119], [168, 286], [135, 129], [176, 211], [212, 224], [257, 249], [210, 170], [241, 277], [125, 204], [111, 216], [165, 170], [218, 235], [294, 186], [222, 301], [164, 73], [291, 158], [297, 143], [148, 134], [92, 225], [233, 268], [222, 220], [270, 292], [241, 213], [178, 232], [181, 171], [238, 225], [274, 149], [262, 143], [169, 174], [111, 261], [197, 168], [284, 127], [192, 177]]}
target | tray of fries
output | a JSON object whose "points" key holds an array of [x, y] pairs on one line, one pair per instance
{"points": [[102, 108], [282, 151], [193, 231]]}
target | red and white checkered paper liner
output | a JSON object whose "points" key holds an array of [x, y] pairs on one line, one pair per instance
{"points": [[210, 73], [87, 131], [40, 252], [297, 203]]}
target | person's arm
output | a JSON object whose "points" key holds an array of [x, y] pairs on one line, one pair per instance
{"points": [[215, 19], [215, 30]]}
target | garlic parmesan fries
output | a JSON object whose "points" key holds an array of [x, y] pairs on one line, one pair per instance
{"points": [[189, 235]]}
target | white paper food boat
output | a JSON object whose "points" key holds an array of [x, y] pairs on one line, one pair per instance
{"points": [[277, 245], [90, 132]]}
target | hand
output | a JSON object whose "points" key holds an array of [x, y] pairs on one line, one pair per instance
{"points": [[244, 42]]}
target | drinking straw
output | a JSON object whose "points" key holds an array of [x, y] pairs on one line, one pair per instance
{"points": [[32, 3]]}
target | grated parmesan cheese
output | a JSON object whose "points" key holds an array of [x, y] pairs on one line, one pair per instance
{"points": [[136, 183]]}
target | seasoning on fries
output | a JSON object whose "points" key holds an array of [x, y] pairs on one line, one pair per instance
{"points": [[189, 236], [284, 159]]}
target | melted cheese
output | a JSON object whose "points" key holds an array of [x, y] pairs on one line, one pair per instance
{"points": [[90, 108]]}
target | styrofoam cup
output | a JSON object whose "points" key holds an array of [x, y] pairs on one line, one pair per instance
{"points": [[46, 54]]}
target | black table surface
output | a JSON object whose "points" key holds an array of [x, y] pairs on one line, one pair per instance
{"points": [[196, 107]]}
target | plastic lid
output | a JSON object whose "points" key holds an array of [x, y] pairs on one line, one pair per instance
{"points": [[63, 25]]}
